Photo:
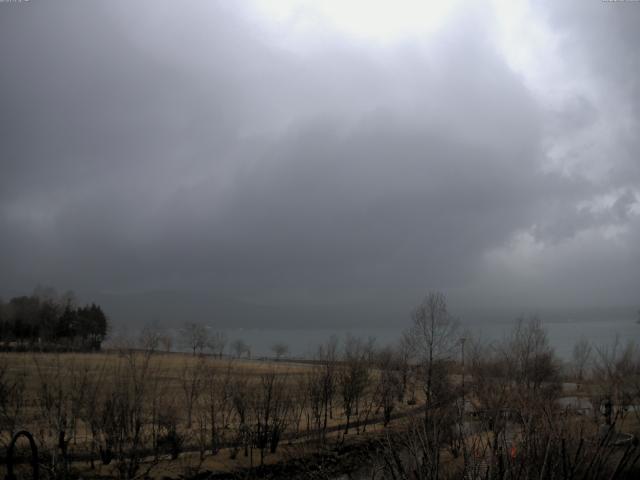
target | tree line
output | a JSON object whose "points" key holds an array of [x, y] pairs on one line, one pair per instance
{"points": [[511, 409], [48, 321]]}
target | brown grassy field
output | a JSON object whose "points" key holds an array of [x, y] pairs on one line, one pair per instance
{"points": [[170, 394], [134, 414]]}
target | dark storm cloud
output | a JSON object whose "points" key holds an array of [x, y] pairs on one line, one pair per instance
{"points": [[177, 145]]}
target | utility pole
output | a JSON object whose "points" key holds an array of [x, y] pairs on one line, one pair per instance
{"points": [[462, 341], [463, 408]]}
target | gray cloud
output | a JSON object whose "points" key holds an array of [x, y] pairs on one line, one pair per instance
{"points": [[159, 145]]}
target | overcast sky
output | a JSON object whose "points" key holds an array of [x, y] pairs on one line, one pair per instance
{"points": [[322, 152]]}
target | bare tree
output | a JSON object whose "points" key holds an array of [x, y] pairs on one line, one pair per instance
{"points": [[563, 447], [352, 378], [314, 395], [149, 338], [532, 361], [403, 357], [195, 337], [581, 356], [526, 433], [617, 376], [515, 386], [94, 391], [123, 411], [217, 343], [240, 348], [327, 355], [241, 393], [61, 386], [166, 341], [12, 400], [300, 404], [169, 439], [389, 383], [432, 338], [218, 402], [280, 349], [270, 405], [191, 379], [491, 393]]}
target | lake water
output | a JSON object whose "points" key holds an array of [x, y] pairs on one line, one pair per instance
{"points": [[562, 335]]}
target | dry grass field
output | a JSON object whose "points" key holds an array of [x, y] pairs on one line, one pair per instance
{"points": [[177, 412]]}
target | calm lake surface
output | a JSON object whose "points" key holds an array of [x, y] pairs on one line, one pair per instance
{"points": [[562, 335]]}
